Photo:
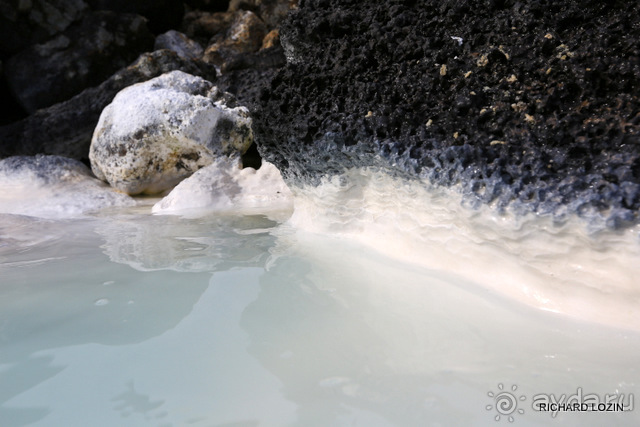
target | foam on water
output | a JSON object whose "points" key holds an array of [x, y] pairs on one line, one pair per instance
{"points": [[129, 318], [53, 187], [560, 267], [224, 186]]}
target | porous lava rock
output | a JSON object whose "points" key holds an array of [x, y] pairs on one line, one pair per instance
{"points": [[272, 12], [82, 56], [66, 128], [155, 134], [530, 105]]}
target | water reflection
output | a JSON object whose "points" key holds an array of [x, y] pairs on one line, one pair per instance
{"points": [[270, 327], [166, 242], [357, 339]]}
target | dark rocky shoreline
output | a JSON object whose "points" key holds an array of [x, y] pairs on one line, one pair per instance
{"points": [[532, 105], [529, 106]]}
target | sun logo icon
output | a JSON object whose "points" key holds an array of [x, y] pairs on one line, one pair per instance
{"points": [[505, 403]]}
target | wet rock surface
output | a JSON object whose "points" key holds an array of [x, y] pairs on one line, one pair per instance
{"points": [[529, 105], [66, 128], [155, 134]]}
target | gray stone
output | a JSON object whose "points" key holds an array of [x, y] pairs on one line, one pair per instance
{"points": [[66, 128], [155, 134], [82, 56], [25, 22], [180, 44]]}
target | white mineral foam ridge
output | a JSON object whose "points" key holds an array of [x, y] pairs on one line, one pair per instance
{"points": [[558, 268], [224, 186], [66, 193]]}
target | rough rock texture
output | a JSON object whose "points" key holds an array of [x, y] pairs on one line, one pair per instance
{"points": [[53, 187], [246, 75], [162, 14], [245, 35], [23, 23], [66, 128], [532, 105], [82, 56], [155, 134], [180, 44], [202, 26], [272, 12]]}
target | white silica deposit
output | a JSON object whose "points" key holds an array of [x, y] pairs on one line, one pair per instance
{"points": [[224, 186], [53, 187], [558, 267], [380, 302]]}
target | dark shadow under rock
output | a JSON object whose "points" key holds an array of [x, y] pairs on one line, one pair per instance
{"points": [[23, 23], [82, 56], [162, 15]]}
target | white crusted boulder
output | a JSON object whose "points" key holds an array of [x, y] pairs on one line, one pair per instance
{"points": [[155, 134]]}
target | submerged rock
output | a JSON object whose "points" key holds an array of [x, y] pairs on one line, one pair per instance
{"points": [[225, 186], [155, 134], [53, 187], [532, 106], [82, 56], [66, 128]]}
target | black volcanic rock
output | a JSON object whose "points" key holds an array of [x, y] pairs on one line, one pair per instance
{"points": [[533, 105], [82, 56], [23, 23], [163, 15]]}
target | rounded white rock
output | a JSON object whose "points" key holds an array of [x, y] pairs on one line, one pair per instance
{"points": [[155, 134]]}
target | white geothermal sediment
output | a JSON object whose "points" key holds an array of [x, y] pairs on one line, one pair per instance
{"points": [[560, 267]]}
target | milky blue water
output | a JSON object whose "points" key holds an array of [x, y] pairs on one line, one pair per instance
{"points": [[130, 319]]}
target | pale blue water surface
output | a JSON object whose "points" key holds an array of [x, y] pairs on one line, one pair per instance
{"points": [[130, 319]]}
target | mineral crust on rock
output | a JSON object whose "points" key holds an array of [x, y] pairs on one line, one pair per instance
{"points": [[224, 185], [532, 106], [66, 128], [155, 134]]}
